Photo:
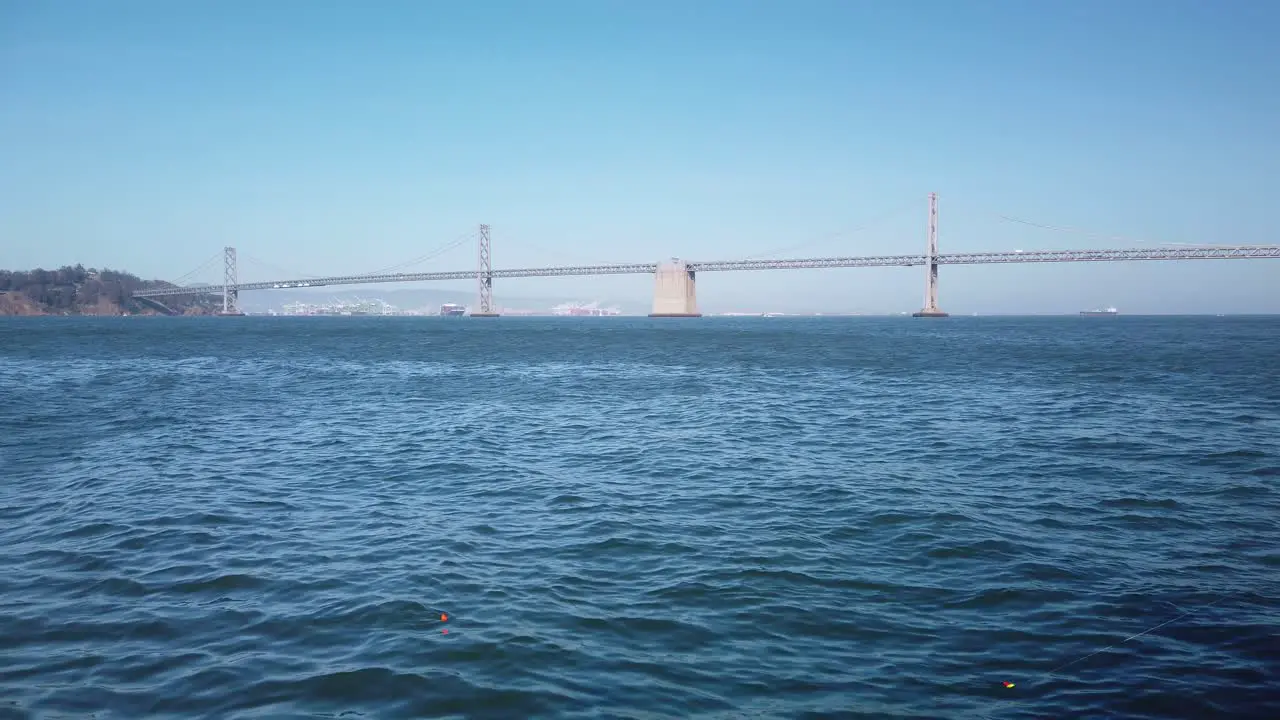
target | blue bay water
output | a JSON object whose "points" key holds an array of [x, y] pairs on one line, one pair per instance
{"points": [[635, 518]]}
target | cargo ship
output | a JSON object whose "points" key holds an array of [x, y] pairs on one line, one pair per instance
{"points": [[452, 310], [1108, 311]]}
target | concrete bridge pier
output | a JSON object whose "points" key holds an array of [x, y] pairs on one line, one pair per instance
{"points": [[675, 291]]}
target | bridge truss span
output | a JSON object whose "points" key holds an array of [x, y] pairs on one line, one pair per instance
{"points": [[808, 263], [1205, 252], [1213, 252], [619, 269], [1209, 252]]}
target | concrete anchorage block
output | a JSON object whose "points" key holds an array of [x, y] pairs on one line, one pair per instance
{"points": [[675, 291]]}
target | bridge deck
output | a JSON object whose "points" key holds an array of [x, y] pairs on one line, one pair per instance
{"points": [[1208, 252]]}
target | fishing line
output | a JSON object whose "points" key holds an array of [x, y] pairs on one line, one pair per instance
{"points": [[1041, 676], [1044, 675], [1132, 637]]}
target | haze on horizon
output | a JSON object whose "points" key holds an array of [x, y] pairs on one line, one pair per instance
{"points": [[335, 138]]}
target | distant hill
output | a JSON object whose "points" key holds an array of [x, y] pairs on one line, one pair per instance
{"points": [[83, 291]]}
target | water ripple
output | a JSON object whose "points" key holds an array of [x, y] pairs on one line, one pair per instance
{"points": [[857, 518]]}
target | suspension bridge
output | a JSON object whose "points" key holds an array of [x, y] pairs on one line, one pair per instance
{"points": [[675, 285]]}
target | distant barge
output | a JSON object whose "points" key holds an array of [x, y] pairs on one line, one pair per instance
{"points": [[1108, 311]]}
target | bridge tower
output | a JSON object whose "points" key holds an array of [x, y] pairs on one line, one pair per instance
{"points": [[931, 266], [230, 283], [484, 276]]}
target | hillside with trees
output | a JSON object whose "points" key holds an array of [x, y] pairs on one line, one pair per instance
{"points": [[84, 291]]}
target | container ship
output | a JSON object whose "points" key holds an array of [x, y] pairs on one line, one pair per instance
{"points": [[1108, 311], [452, 310]]}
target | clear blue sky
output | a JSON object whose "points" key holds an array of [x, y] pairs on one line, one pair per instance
{"points": [[325, 137]]}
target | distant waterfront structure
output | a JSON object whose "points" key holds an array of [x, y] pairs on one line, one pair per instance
{"points": [[358, 306], [576, 309]]}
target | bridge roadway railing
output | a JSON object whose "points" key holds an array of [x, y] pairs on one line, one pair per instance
{"points": [[1207, 252]]}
